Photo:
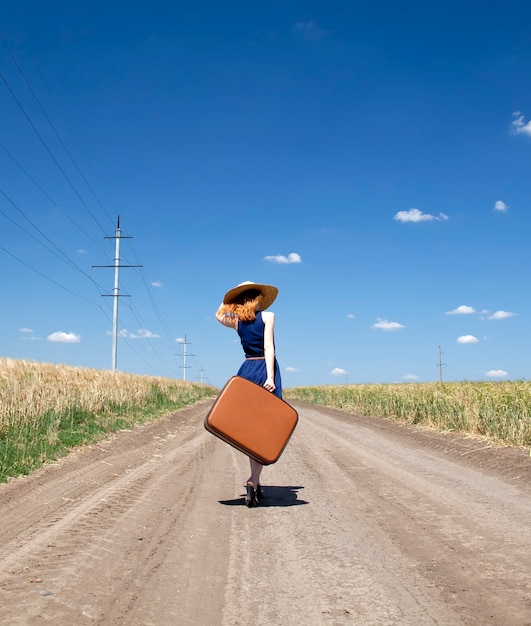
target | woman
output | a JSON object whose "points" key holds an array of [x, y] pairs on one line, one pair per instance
{"points": [[243, 309]]}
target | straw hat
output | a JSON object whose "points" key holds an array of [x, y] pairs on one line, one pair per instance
{"points": [[269, 293]]}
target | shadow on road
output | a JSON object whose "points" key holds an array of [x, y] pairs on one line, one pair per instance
{"points": [[273, 496]]}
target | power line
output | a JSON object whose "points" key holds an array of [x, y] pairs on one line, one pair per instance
{"points": [[15, 62], [129, 344], [62, 256], [51, 124], [49, 151], [45, 193], [147, 336], [154, 304], [47, 277]]}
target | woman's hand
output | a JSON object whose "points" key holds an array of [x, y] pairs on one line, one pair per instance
{"points": [[269, 384]]}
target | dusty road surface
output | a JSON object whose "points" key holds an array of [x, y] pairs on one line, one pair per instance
{"points": [[363, 522]]}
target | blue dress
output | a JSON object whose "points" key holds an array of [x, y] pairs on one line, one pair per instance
{"points": [[254, 369]]}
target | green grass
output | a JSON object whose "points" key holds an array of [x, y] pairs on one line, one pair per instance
{"points": [[26, 445]]}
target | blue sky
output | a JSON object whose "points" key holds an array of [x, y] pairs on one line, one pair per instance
{"points": [[369, 159]]}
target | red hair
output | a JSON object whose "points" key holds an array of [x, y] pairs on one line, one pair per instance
{"points": [[245, 306]]}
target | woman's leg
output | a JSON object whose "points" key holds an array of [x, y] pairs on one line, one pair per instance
{"points": [[252, 497], [256, 470]]}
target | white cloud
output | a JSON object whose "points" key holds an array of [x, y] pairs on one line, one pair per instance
{"points": [[81, 251], [25, 330], [500, 205], [496, 373], [61, 337], [338, 371], [142, 333], [180, 340], [292, 257], [462, 310], [291, 369], [519, 125], [501, 315], [410, 377], [414, 215], [385, 325], [467, 339], [351, 316], [156, 283]]}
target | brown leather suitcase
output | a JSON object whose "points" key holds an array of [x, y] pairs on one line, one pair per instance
{"points": [[252, 420]]}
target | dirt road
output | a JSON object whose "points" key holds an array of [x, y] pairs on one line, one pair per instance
{"points": [[363, 522]]}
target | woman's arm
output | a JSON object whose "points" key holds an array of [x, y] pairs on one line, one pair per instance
{"points": [[269, 349], [226, 319]]}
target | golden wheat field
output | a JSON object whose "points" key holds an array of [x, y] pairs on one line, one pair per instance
{"points": [[46, 409], [29, 390], [499, 411]]}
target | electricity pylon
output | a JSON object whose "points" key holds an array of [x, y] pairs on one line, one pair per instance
{"points": [[116, 291]]}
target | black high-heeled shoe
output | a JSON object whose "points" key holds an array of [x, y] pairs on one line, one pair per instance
{"points": [[251, 497], [259, 491]]}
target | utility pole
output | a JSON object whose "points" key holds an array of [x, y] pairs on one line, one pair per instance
{"points": [[201, 375], [440, 365], [116, 291], [184, 355]]}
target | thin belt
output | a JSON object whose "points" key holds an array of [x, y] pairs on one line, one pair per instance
{"points": [[254, 358]]}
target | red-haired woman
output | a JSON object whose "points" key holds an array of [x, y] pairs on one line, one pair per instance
{"points": [[244, 310]]}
